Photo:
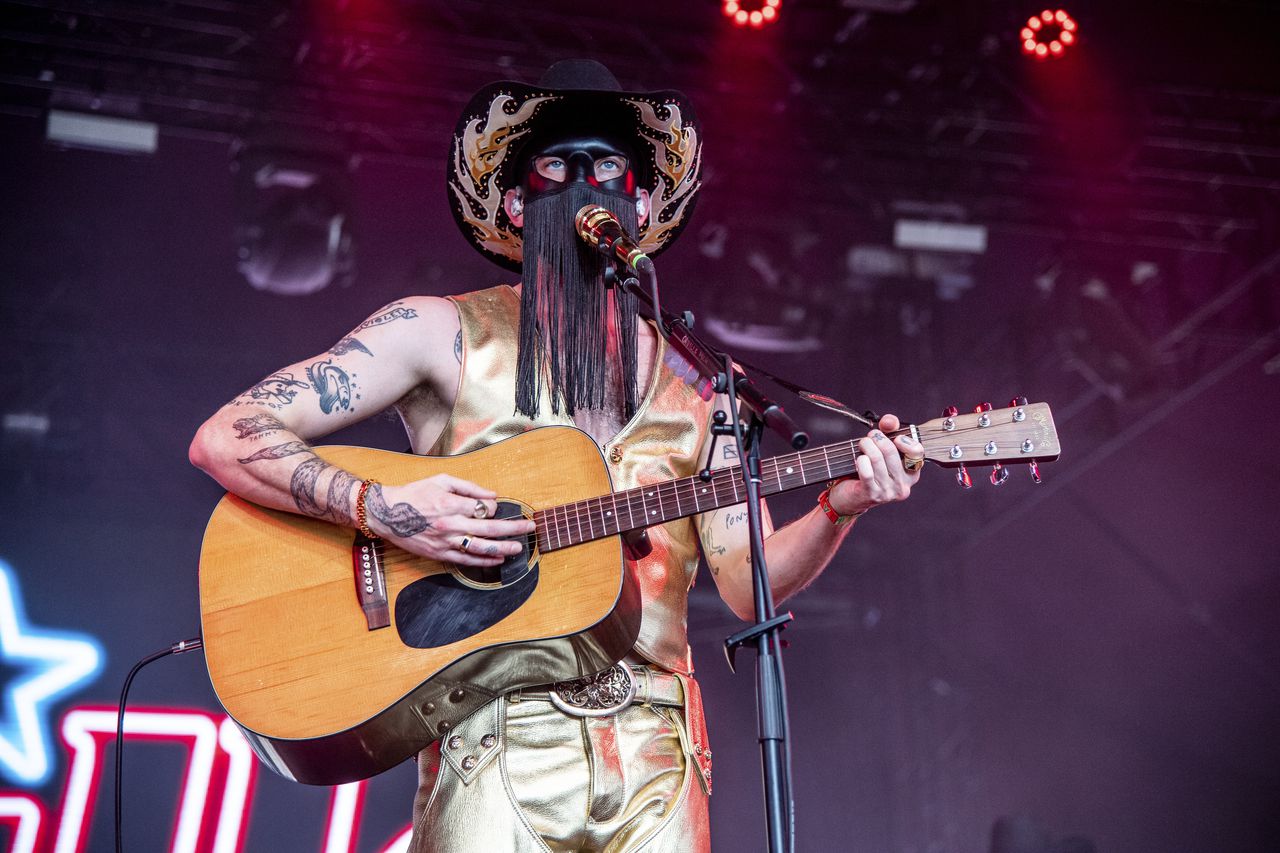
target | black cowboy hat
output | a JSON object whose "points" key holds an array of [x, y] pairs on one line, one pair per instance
{"points": [[504, 117]]}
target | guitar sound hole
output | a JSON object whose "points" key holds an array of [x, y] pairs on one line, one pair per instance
{"points": [[445, 608], [513, 568]]}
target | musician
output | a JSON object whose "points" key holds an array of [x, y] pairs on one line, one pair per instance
{"points": [[469, 370]]}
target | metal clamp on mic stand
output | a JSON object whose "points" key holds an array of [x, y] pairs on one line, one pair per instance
{"points": [[600, 229]]}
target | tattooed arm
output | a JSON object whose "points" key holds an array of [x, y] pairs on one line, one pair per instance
{"points": [[798, 553], [256, 445]]}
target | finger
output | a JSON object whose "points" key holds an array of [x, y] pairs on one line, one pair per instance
{"points": [[493, 528], [888, 423], [487, 547], [465, 558], [912, 450], [870, 465], [884, 459]]}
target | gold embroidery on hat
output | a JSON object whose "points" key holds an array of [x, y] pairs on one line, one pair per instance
{"points": [[675, 155], [481, 150]]}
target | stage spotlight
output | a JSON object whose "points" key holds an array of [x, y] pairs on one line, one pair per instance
{"points": [[1049, 34], [293, 234], [755, 13]]}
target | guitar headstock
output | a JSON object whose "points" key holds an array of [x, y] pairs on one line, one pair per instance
{"points": [[1023, 432]]}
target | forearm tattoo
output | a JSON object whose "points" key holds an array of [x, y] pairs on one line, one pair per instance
{"points": [[392, 313], [255, 427], [279, 451], [275, 392], [339, 499], [303, 486], [402, 519], [333, 385], [349, 344]]}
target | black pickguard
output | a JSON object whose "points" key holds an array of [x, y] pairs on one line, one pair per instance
{"points": [[439, 609]]}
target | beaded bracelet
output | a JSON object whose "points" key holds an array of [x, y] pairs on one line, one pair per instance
{"points": [[362, 521]]}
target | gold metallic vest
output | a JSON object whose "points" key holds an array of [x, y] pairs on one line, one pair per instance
{"points": [[663, 441]]}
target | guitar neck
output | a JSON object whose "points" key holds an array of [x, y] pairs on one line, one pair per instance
{"points": [[608, 515], [1022, 433]]}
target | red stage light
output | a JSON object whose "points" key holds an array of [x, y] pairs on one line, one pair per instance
{"points": [[757, 13], [1048, 34]]}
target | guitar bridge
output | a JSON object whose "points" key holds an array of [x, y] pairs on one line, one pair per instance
{"points": [[371, 582]]}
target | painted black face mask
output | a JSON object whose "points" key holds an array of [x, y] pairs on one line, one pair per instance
{"points": [[595, 161], [564, 309]]}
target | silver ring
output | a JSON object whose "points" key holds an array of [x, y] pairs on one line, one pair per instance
{"points": [[466, 540], [481, 511]]}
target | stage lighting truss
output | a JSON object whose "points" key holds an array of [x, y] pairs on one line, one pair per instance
{"points": [[1049, 34], [752, 13]]}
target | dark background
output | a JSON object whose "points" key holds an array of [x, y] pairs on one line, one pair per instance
{"points": [[1096, 654]]}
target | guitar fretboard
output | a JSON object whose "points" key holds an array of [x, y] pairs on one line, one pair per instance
{"points": [[608, 515]]}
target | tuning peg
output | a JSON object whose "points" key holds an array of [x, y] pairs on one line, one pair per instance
{"points": [[982, 407], [962, 477], [1017, 401], [950, 412], [999, 474], [984, 419], [1035, 472]]}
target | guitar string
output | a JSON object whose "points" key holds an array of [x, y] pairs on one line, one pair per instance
{"points": [[673, 489]]}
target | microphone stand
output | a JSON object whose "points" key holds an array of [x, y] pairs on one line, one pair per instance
{"points": [[771, 701]]}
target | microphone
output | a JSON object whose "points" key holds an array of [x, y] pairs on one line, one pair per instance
{"points": [[601, 230]]}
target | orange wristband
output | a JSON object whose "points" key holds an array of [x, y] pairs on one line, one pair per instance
{"points": [[824, 503]]}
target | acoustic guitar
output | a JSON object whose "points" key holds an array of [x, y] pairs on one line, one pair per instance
{"points": [[340, 657]]}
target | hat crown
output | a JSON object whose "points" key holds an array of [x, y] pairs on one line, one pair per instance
{"points": [[580, 74]]}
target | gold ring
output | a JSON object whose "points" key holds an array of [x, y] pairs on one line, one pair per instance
{"points": [[466, 540], [481, 511], [912, 464]]}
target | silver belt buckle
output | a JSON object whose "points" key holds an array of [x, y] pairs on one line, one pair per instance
{"points": [[607, 692]]}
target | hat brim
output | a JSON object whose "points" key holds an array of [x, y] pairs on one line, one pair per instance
{"points": [[502, 117]]}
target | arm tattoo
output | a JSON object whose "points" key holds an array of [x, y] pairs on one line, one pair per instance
{"points": [[276, 391], [457, 347], [710, 546], [732, 519], [340, 496], [257, 426], [333, 385], [731, 451], [279, 451], [403, 520], [303, 486], [349, 344], [393, 313]]}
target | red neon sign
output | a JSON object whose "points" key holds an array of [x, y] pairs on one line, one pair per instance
{"points": [[215, 796]]}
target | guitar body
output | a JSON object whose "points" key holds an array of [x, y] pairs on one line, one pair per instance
{"points": [[326, 699]]}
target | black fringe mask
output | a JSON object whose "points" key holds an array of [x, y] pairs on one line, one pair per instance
{"points": [[563, 309]]}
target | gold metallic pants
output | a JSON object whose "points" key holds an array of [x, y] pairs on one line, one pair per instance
{"points": [[523, 777]]}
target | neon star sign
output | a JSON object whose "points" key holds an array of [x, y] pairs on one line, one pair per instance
{"points": [[50, 665]]}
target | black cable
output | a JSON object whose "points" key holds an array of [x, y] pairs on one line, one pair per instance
{"points": [[175, 649]]}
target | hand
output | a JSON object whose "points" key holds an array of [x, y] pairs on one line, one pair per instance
{"points": [[432, 517], [881, 477]]}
